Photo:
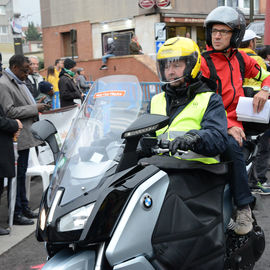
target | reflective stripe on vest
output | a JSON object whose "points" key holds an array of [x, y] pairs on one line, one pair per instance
{"points": [[190, 118]]}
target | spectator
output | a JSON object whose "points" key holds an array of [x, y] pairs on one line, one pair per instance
{"points": [[134, 46], [58, 65], [265, 54], [81, 80], [9, 128], [46, 92], [67, 87], [109, 52], [34, 77], [258, 177], [187, 35], [18, 103], [53, 78]]}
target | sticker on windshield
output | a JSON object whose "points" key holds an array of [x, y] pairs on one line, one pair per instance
{"points": [[118, 93], [96, 157]]}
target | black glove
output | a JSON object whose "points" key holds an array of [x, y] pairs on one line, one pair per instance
{"points": [[185, 142]]}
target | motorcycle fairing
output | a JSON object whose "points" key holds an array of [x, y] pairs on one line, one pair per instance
{"points": [[132, 236], [66, 259], [110, 206], [134, 264], [115, 191]]}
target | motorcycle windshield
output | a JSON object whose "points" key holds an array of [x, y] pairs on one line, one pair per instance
{"points": [[93, 144]]}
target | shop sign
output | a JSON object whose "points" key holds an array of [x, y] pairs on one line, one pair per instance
{"points": [[162, 3], [146, 4]]}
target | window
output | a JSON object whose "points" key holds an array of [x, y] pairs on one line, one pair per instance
{"points": [[3, 30], [246, 4], [121, 41], [67, 46], [200, 37], [179, 31], [229, 3], [2, 10]]}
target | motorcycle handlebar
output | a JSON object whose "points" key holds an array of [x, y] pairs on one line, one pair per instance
{"points": [[162, 147]]}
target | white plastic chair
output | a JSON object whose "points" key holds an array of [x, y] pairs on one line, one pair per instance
{"points": [[36, 169]]}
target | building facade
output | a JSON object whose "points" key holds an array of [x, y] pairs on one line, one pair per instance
{"points": [[6, 36], [96, 20]]}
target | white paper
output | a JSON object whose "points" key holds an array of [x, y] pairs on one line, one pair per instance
{"points": [[244, 111]]}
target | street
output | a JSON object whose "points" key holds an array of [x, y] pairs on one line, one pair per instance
{"points": [[30, 254]]}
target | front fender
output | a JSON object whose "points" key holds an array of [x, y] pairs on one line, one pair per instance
{"points": [[66, 259]]}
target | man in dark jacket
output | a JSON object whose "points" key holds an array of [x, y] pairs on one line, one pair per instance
{"points": [[9, 128], [18, 103], [67, 87]]}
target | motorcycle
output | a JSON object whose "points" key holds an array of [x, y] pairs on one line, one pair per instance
{"points": [[110, 207]]}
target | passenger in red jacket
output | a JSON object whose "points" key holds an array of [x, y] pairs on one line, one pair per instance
{"points": [[225, 29]]}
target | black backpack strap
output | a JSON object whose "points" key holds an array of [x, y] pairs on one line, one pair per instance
{"points": [[241, 64], [213, 72]]}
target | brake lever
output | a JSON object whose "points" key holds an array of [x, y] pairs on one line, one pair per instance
{"points": [[167, 150]]}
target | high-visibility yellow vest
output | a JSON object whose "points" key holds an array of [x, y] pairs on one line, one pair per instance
{"points": [[189, 118], [256, 85]]}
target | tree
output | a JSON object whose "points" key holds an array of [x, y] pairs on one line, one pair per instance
{"points": [[32, 32]]}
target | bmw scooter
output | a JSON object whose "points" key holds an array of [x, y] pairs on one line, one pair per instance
{"points": [[108, 207]]}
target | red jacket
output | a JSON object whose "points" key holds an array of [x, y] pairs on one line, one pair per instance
{"points": [[228, 70]]}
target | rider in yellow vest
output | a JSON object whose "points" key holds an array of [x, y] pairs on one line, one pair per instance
{"points": [[198, 120], [257, 178], [248, 45], [197, 116]]}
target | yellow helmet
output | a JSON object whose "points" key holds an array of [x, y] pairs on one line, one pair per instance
{"points": [[179, 48]]}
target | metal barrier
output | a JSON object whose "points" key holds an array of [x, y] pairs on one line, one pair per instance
{"points": [[150, 89], [56, 101]]}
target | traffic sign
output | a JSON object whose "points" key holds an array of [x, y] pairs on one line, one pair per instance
{"points": [[160, 31], [158, 45]]}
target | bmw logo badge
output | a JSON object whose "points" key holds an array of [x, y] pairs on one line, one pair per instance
{"points": [[147, 201]]}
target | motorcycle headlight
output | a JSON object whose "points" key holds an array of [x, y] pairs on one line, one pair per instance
{"points": [[42, 219], [76, 219]]}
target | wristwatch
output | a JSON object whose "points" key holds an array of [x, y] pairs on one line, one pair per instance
{"points": [[266, 88]]}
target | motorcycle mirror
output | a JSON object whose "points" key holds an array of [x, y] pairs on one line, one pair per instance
{"points": [[41, 130], [145, 124], [44, 130]]}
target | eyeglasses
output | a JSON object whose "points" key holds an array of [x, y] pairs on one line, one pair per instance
{"points": [[222, 32]]}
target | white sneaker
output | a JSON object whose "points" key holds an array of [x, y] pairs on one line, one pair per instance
{"points": [[244, 220]]}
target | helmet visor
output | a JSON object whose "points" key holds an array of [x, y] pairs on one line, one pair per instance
{"points": [[175, 68]]}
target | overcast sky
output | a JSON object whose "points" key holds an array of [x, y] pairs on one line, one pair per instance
{"points": [[29, 9]]}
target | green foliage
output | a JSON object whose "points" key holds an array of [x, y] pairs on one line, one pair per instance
{"points": [[41, 64], [32, 32]]}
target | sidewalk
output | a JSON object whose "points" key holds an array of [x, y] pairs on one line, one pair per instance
{"points": [[18, 232]]}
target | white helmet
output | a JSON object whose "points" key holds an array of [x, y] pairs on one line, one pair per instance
{"points": [[110, 40]]}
